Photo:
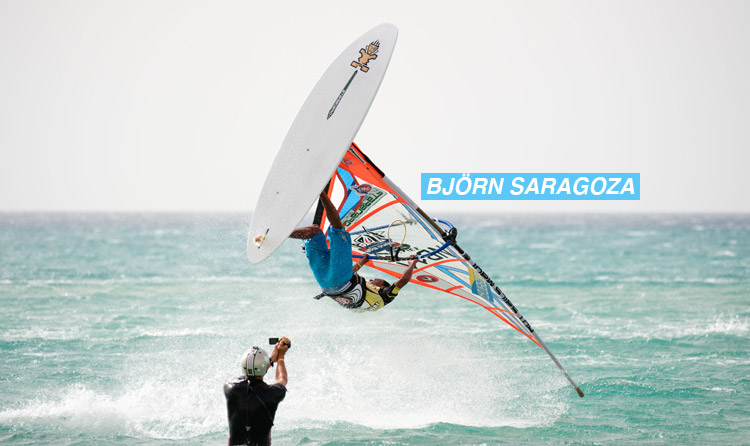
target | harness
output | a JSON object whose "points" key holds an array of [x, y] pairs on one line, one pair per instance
{"points": [[250, 390], [350, 285], [354, 295]]}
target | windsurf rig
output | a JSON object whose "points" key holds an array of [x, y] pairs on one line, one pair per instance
{"points": [[389, 226]]}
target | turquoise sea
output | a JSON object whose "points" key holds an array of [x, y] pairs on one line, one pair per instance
{"points": [[122, 328]]}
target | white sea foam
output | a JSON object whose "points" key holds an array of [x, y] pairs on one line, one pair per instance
{"points": [[620, 328], [678, 280], [722, 389], [163, 280], [546, 246], [640, 233], [148, 409], [726, 253], [356, 373], [48, 333], [364, 371], [177, 332]]}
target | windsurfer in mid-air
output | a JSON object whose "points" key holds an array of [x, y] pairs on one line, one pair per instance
{"points": [[334, 272]]}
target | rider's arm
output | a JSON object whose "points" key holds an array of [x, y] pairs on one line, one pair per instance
{"points": [[281, 372], [406, 277], [279, 351], [331, 212], [360, 263]]}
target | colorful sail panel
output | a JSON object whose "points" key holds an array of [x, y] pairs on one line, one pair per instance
{"points": [[383, 221], [387, 225]]}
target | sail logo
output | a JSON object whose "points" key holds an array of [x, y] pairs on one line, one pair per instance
{"points": [[370, 241], [367, 203], [426, 278], [531, 186], [361, 189], [366, 55]]}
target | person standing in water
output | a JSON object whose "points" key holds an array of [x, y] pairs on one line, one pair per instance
{"points": [[251, 403]]}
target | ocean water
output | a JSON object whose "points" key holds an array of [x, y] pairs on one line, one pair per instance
{"points": [[121, 329]]}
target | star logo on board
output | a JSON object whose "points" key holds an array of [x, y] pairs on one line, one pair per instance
{"points": [[366, 55]]}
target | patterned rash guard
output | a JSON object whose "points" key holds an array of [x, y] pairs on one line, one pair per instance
{"points": [[358, 295]]}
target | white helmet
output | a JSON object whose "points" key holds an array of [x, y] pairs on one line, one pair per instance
{"points": [[255, 362]]}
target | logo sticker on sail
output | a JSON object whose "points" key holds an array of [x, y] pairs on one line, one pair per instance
{"points": [[366, 55], [426, 278], [362, 189], [368, 201]]}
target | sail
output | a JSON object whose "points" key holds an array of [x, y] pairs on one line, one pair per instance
{"points": [[384, 222]]}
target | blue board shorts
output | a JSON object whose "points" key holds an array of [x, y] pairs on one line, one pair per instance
{"points": [[332, 267]]}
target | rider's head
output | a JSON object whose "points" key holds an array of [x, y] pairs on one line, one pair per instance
{"points": [[255, 362], [380, 283]]}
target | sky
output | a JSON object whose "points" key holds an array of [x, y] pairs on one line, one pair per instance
{"points": [[181, 105]]}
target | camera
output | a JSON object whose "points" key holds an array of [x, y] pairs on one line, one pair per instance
{"points": [[274, 341]]}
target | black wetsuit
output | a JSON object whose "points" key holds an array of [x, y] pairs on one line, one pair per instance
{"points": [[251, 406]]}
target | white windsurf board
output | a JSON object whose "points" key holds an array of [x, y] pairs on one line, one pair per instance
{"points": [[318, 139]]}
